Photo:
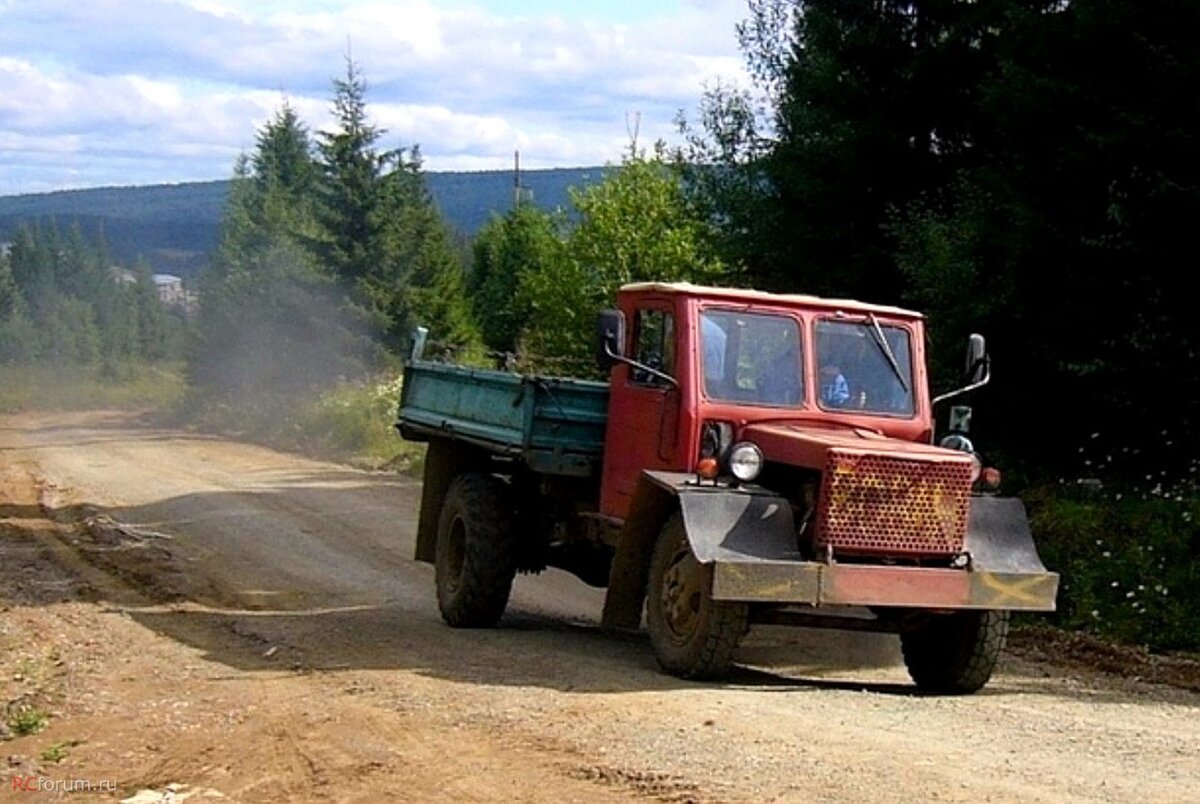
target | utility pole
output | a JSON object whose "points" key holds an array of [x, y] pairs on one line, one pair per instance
{"points": [[516, 179]]}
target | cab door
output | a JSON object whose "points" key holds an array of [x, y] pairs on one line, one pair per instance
{"points": [[643, 412]]}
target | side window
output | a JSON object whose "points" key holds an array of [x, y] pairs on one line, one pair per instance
{"points": [[653, 346]]}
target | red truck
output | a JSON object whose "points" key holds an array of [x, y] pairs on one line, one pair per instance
{"points": [[753, 458]]}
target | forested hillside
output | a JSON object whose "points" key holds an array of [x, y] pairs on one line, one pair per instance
{"points": [[174, 227]]}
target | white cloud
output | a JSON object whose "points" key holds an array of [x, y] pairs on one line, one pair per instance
{"points": [[182, 86]]}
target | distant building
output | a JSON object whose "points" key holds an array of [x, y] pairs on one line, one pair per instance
{"points": [[5, 248], [170, 290], [191, 302], [122, 276]]}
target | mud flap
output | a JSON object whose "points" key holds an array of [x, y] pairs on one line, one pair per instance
{"points": [[750, 537], [739, 529], [998, 537], [738, 525]]}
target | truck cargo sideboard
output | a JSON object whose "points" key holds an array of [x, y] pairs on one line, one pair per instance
{"points": [[554, 424]]}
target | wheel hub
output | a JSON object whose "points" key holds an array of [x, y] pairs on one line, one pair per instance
{"points": [[682, 594]]}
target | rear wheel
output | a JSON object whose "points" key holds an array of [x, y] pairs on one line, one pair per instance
{"points": [[693, 635], [955, 654], [475, 562]]}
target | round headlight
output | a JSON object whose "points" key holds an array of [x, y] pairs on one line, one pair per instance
{"points": [[957, 441], [745, 461], [960, 443]]}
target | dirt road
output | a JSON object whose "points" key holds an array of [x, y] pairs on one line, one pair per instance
{"points": [[246, 624]]}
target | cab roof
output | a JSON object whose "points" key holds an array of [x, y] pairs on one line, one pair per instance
{"points": [[747, 296]]}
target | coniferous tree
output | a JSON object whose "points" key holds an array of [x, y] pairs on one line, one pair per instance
{"points": [[1025, 169], [10, 295], [271, 321], [525, 240], [272, 194], [381, 233], [1069, 237], [353, 169], [18, 340]]}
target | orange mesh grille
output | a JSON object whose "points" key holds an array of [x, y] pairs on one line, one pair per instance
{"points": [[886, 505]]}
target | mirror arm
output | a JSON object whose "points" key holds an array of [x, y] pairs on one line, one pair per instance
{"points": [[633, 363], [987, 375]]}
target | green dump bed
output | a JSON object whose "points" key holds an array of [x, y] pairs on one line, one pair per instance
{"points": [[556, 425]]}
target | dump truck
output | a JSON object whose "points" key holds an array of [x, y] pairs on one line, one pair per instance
{"points": [[752, 458]]}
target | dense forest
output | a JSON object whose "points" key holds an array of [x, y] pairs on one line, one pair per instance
{"points": [[1024, 169], [1028, 170], [64, 302]]}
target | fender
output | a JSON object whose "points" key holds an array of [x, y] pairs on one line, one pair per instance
{"points": [[998, 537], [444, 460], [745, 523]]}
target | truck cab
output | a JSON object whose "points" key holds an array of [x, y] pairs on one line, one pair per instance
{"points": [[795, 371]]}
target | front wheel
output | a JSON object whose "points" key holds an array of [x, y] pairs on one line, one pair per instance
{"points": [[693, 636], [955, 654], [475, 562]]}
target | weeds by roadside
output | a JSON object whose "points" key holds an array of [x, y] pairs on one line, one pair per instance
{"points": [[352, 422], [1126, 540], [120, 386], [27, 720], [59, 751]]}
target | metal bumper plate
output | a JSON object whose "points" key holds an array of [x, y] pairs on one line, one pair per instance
{"points": [[748, 535], [819, 584]]}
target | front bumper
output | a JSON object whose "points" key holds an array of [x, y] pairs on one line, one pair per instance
{"points": [[749, 537], [819, 584]]}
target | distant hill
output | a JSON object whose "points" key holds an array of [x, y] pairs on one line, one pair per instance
{"points": [[174, 226]]}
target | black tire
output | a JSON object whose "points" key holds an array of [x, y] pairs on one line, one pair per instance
{"points": [[476, 561], [955, 654], [693, 635]]}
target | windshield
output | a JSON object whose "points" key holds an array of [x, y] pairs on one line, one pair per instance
{"points": [[856, 372], [752, 358]]}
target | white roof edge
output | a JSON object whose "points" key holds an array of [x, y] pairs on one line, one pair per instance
{"points": [[770, 298]]}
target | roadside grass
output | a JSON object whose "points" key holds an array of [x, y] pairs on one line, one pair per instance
{"points": [[124, 386], [27, 721], [1129, 562], [59, 751], [353, 422]]}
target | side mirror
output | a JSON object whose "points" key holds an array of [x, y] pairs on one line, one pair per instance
{"points": [[419, 336], [977, 359], [979, 370], [610, 342]]}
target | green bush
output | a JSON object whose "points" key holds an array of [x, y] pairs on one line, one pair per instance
{"points": [[357, 421], [1129, 562]]}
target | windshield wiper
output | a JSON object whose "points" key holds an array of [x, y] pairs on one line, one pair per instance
{"points": [[886, 349]]}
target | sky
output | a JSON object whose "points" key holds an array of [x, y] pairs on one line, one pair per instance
{"points": [[132, 92]]}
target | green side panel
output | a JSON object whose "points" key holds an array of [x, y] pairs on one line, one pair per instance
{"points": [[556, 424]]}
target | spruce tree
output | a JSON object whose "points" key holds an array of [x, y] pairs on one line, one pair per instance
{"points": [[381, 233]]}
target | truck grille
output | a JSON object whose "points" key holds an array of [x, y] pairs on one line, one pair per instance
{"points": [[886, 505]]}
